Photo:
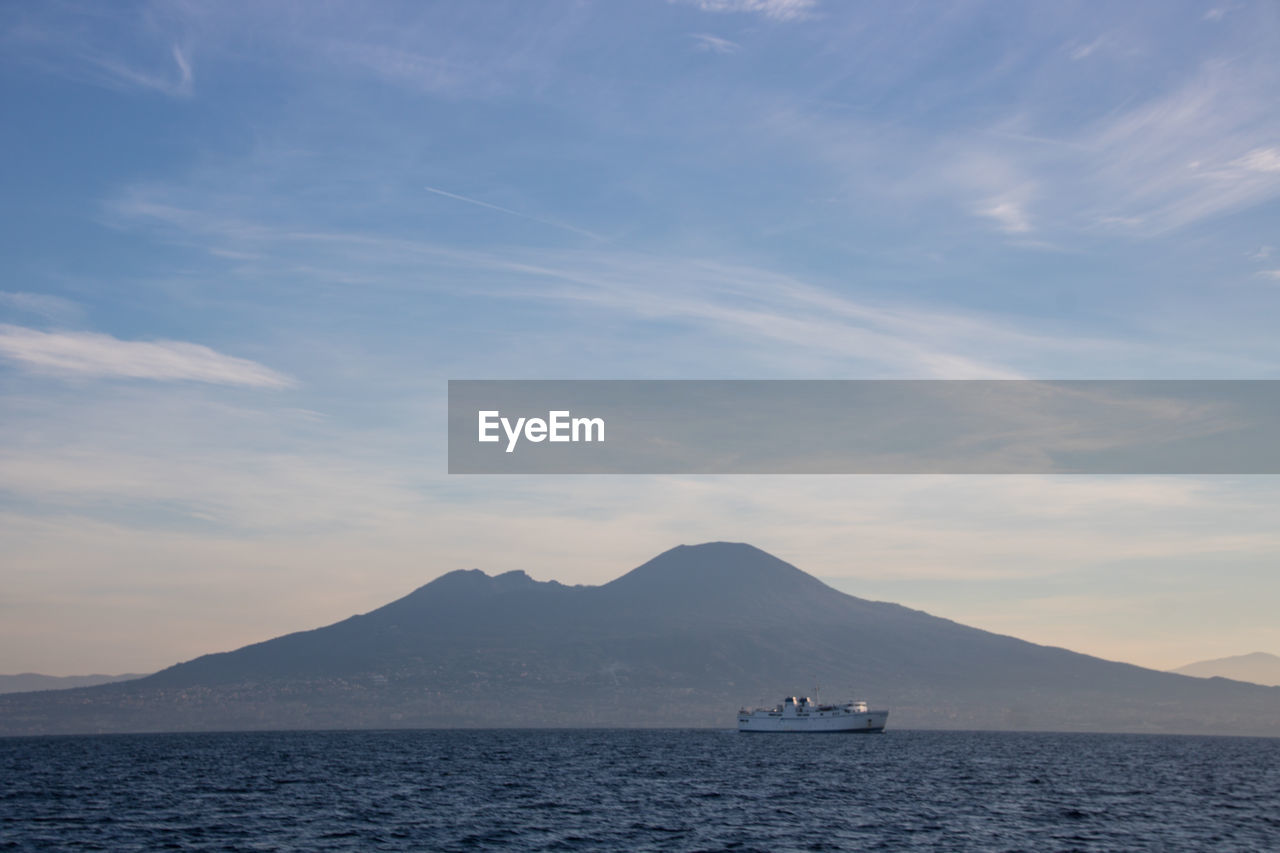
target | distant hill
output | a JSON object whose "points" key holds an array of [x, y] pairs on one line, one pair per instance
{"points": [[28, 681], [1258, 668], [683, 640]]}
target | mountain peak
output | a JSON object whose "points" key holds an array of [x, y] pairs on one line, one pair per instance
{"points": [[475, 581], [715, 566]]}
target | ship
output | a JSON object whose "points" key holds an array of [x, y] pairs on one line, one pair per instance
{"points": [[800, 714]]}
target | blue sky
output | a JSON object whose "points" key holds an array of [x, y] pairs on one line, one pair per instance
{"points": [[246, 245]]}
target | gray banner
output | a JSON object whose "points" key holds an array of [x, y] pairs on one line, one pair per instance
{"points": [[864, 427]]}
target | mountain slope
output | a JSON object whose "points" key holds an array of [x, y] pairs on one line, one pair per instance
{"points": [[29, 681], [1257, 668], [682, 640]]}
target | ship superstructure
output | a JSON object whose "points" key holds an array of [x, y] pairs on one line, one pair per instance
{"points": [[801, 714]]}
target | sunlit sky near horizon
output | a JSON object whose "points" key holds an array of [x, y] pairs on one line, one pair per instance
{"points": [[246, 244]]}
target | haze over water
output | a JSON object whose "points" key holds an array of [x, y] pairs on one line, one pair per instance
{"points": [[639, 790]]}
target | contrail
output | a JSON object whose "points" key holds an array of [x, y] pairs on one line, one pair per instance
{"points": [[553, 223]]}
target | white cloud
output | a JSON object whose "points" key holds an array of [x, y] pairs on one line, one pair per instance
{"points": [[1175, 159], [1260, 160], [1008, 214], [1198, 147], [778, 10], [761, 321], [98, 355], [714, 44], [1084, 50]]}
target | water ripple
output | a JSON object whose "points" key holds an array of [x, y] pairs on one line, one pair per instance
{"points": [[638, 790]]}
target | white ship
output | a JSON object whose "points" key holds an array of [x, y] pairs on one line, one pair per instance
{"points": [[802, 715]]}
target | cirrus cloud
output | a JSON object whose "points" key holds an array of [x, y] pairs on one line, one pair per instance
{"points": [[779, 10], [94, 354]]}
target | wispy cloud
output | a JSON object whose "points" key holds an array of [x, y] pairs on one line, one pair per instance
{"points": [[92, 354], [1167, 153], [778, 10], [758, 318], [1008, 213], [1260, 160], [151, 46], [714, 44], [92, 57], [401, 66], [551, 222], [437, 49], [1192, 153], [1083, 51], [44, 305], [176, 83], [771, 314]]}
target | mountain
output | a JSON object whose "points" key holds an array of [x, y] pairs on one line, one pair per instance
{"points": [[28, 681], [1258, 668], [683, 640]]}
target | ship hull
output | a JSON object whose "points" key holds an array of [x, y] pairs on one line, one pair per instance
{"points": [[868, 722]]}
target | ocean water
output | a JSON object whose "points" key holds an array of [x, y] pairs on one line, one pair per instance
{"points": [[638, 790]]}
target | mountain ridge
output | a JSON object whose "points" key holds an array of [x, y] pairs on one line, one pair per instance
{"points": [[1255, 668]]}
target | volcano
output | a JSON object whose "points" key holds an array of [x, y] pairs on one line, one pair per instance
{"points": [[683, 640]]}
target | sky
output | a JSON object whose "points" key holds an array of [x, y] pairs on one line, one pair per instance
{"points": [[247, 244]]}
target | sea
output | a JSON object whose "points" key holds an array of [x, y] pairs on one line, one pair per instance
{"points": [[639, 790]]}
